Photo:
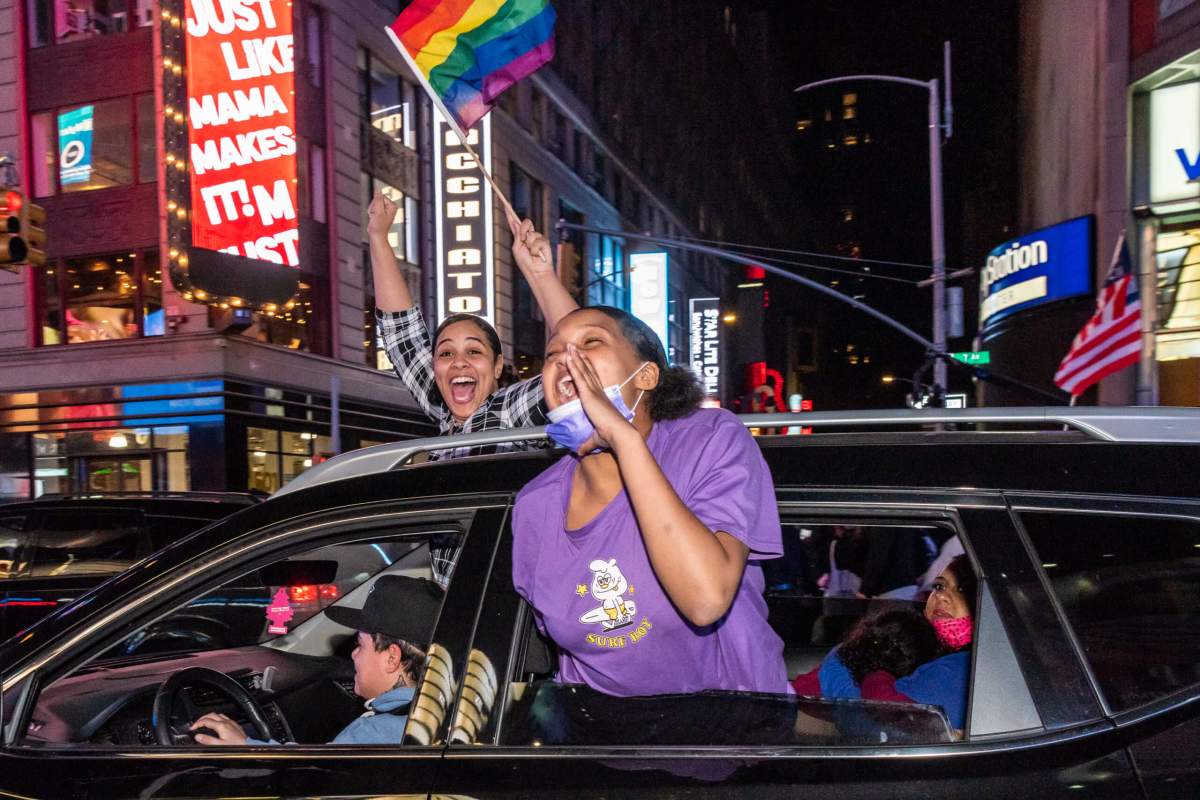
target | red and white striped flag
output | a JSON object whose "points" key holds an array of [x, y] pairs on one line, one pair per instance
{"points": [[1112, 339]]}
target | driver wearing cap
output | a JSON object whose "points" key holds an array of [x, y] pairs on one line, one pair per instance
{"points": [[394, 627]]}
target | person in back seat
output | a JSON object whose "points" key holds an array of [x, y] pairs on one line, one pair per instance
{"points": [[942, 681], [895, 641]]}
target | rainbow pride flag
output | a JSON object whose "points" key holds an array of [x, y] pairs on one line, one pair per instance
{"points": [[466, 52]]}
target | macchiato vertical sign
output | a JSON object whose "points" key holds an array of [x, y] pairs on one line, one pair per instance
{"points": [[241, 120]]}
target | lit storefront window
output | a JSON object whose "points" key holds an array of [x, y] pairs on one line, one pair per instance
{"points": [[276, 457], [106, 298], [101, 299]]}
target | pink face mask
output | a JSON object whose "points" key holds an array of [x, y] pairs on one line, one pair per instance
{"points": [[954, 633]]}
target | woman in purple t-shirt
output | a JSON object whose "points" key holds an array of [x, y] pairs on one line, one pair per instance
{"points": [[639, 552]]}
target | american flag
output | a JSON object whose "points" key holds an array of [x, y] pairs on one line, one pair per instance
{"points": [[1112, 339]]}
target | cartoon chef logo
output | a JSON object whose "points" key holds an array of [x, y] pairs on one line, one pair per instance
{"points": [[609, 587]]}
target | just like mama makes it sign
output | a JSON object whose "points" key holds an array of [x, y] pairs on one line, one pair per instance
{"points": [[241, 126]]}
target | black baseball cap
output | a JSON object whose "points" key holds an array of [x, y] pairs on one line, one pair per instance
{"points": [[398, 606]]}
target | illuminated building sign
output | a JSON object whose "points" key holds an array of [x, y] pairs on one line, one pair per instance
{"points": [[463, 221], [704, 344], [1050, 264], [229, 141], [649, 290], [75, 145], [1175, 146], [241, 123]]}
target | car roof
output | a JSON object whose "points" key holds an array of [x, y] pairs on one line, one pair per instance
{"points": [[1134, 425], [208, 505]]}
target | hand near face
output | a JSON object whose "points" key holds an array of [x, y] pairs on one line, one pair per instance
{"points": [[228, 732], [530, 248], [380, 215], [604, 416]]}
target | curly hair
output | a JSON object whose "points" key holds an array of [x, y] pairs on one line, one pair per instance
{"points": [[678, 392], [896, 641]]}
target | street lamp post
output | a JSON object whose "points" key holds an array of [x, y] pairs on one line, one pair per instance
{"points": [[936, 210]]}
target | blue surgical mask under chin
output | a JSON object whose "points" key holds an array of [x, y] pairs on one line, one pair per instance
{"points": [[569, 424]]}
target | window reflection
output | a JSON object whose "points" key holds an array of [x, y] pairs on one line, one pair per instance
{"points": [[83, 19], [101, 294]]}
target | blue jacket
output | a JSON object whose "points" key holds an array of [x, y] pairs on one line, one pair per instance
{"points": [[378, 725], [941, 682]]}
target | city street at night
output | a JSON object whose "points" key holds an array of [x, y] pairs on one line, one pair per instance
{"points": [[607, 399]]}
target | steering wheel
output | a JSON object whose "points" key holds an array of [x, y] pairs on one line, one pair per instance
{"points": [[172, 690]]}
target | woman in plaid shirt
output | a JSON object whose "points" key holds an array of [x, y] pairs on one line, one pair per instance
{"points": [[455, 375]]}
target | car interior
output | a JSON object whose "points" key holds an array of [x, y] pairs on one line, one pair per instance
{"points": [[256, 648], [259, 649]]}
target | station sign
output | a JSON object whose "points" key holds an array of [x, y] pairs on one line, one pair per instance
{"points": [[1051, 264], [704, 343], [463, 220], [649, 290]]}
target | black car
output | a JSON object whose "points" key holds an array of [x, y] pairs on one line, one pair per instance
{"points": [[55, 548], [1085, 677]]}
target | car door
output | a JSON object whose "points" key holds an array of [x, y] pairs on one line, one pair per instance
{"points": [[69, 550], [1011, 747], [306, 770], [1125, 575]]}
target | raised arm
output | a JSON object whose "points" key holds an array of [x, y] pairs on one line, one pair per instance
{"points": [[391, 290], [531, 251]]}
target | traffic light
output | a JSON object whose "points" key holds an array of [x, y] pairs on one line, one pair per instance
{"points": [[568, 270], [33, 232], [12, 246]]}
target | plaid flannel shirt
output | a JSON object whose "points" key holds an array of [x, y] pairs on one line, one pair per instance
{"points": [[406, 340]]}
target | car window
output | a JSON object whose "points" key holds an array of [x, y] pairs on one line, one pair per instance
{"points": [[267, 628], [87, 542], [12, 534], [276, 599], [514, 681], [1130, 587]]}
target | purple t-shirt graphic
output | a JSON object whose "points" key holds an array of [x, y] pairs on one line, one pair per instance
{"points": [[595, 593]]}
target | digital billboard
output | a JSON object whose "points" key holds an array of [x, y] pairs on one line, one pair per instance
{"points": [[229, 136], [1054, 263]]}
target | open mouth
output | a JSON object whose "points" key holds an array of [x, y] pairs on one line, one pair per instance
{"points": [[565, 389], [462, 389]]}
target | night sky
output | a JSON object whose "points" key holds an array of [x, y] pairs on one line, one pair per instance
{"points": [[870, 199]]}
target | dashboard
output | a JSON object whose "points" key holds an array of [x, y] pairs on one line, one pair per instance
{"points": [[305, 699]]}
